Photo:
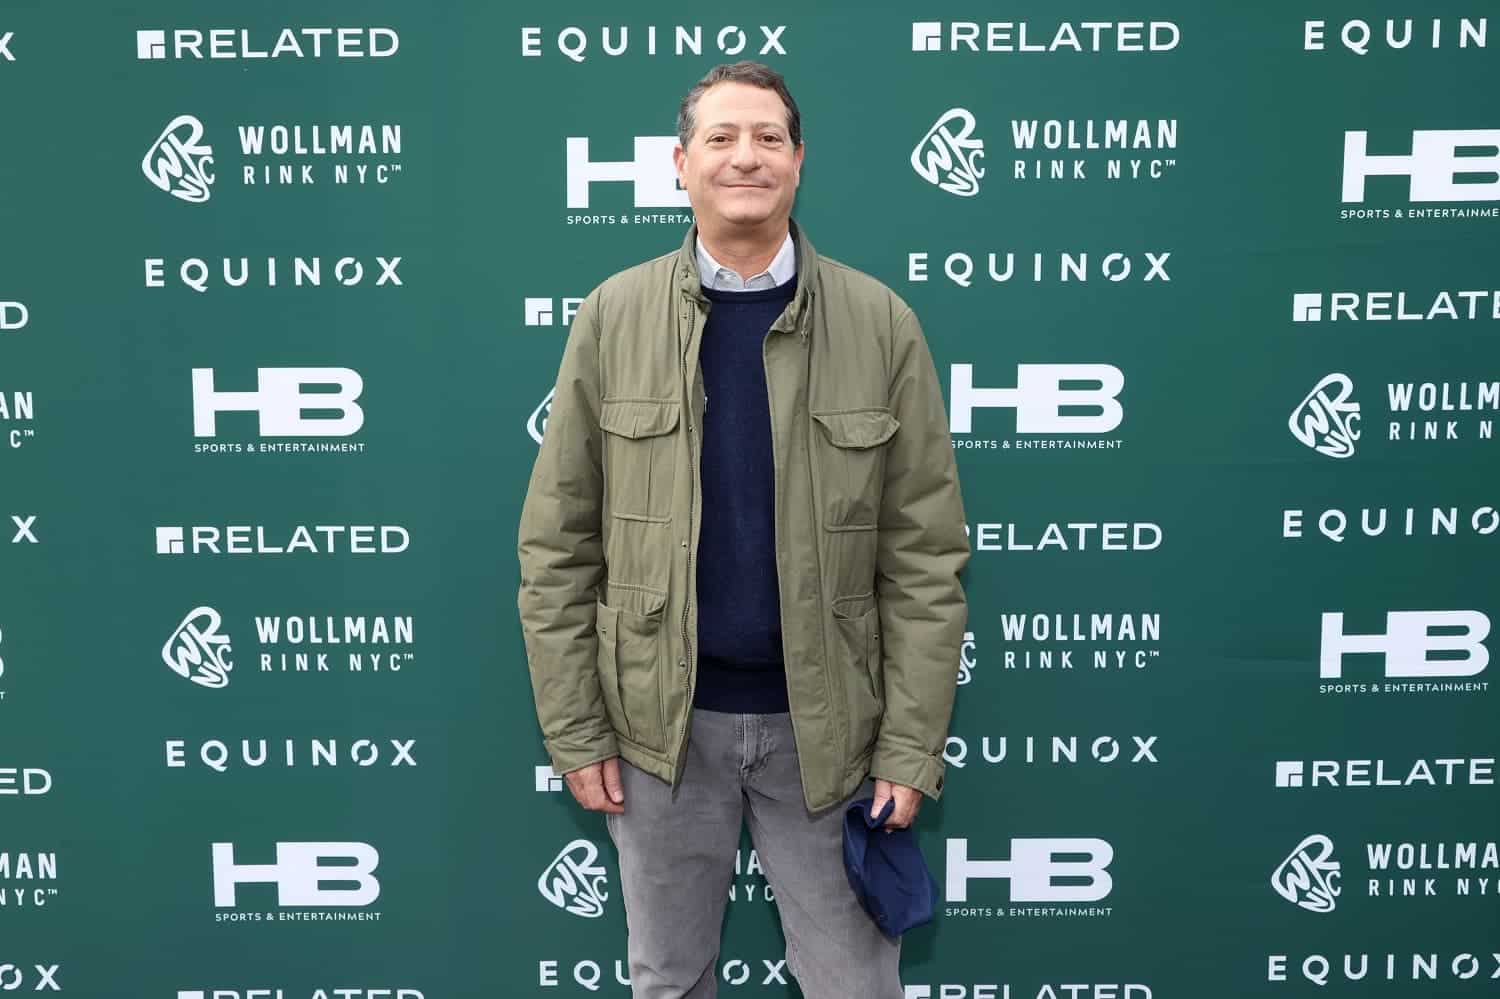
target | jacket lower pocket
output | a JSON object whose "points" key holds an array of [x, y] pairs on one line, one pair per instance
{"points": [[630, 646], [857, 622]]}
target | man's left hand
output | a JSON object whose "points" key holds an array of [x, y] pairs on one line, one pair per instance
{"points": [[908, 800]]}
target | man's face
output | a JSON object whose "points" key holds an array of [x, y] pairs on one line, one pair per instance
{"points": [[739, 166]]}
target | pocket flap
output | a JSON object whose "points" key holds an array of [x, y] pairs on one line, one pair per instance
{"points": [[853, 608], [637, 601], [638, 418], [858, 428]]}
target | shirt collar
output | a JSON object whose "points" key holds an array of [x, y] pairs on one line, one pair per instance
{"points": [[716, 277]]}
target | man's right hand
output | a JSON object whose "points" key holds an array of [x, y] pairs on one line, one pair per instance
{"points": [[597, 786]]}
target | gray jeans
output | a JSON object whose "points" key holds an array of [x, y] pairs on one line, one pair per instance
{"points": [[677, 860]]}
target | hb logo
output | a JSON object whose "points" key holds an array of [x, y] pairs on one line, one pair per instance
{"points": [[1433, 165], [651, 173], [1033, 867], [1410, 642], [1040, 396], [299, 874], [280, 401]]}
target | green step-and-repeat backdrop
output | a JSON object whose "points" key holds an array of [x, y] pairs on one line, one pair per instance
{"points": [[1213, 292]]}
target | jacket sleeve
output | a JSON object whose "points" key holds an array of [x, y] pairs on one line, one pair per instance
{"points": [[561, 553], [921, 549]]}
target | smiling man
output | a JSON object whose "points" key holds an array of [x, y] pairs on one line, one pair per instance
{"points": [[740, 554]]}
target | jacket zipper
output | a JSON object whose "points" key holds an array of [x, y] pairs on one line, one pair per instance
{"points": [[687, 665], [802, 325], [687, 644]]}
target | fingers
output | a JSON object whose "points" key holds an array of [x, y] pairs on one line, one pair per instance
{"points": [[882, 795], [905, 812], [908, 800], [587, 785], [612, 786]]}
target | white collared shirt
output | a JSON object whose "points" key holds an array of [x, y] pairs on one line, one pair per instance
{"points": [[716, 277]]}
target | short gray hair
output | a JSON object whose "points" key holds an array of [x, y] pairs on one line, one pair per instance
{"points": [[756, 75]]}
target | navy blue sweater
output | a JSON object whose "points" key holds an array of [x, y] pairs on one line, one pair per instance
{"points": [[740, 666]]}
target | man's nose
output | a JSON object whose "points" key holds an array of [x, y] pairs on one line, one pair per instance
{"points": [[746, 156]]}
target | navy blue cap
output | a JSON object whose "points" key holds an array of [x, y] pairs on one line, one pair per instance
{"points": [[886, 870]]}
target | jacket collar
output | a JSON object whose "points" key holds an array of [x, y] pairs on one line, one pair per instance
{"points": [[691, 283]]}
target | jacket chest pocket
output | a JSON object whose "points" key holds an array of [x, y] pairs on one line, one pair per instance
{"points": [[851, 454], [639, 456]]}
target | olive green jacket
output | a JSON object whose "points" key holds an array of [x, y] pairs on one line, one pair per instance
{"points": [[870, 534]]}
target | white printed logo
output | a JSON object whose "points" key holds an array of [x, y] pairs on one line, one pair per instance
{"points": [[652, 173], [949, 155], [536, 424], [178, 161], [540, 311], [573, 41], [13, 317], [547, 780], [280, 401], [1397, 306], [966, 662], [1023, 36], [1433, 165], [927, 36], [1307, 307], [253, 539], [1446, 771], [12, 978], [1309, 876], [151, 44], [575, 881], [299, 873], [1033, 868], [1328, 419], [238, 43], [23, 524], [1290, 773], [1039, 398], [1410, 641], [169, 541], [197, 651]]}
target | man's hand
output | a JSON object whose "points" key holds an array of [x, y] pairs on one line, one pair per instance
{"points": [[908, 800], [597, 786]]}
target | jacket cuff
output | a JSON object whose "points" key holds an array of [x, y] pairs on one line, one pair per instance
{"points": [[573, 754], [909, 767]]}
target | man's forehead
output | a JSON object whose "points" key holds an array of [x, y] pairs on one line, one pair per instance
{"points": [[741, 123], [732, 97]]}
